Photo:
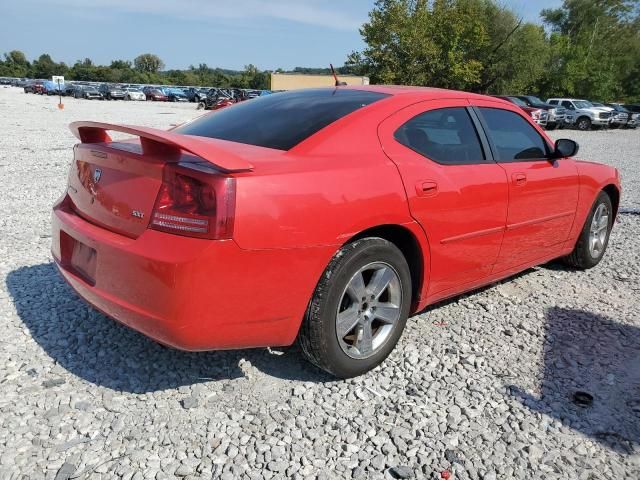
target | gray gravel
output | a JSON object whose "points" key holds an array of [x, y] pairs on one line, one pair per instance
{"points": [[481, 386]]}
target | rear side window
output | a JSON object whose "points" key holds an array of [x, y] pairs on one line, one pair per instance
{"points": [[445, 135], [513, 137], [281, 120]]}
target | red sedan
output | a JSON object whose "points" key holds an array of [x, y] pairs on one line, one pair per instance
{"points": [[323, 215], [156, 96]]}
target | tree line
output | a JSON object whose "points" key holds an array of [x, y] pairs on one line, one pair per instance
{"points": [[144, 69], [585, 48]]}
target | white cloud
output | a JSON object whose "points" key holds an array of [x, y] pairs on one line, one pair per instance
{"points": [[310, 12]]}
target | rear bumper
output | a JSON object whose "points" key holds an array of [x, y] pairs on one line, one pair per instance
{"points": [[189, 293]]}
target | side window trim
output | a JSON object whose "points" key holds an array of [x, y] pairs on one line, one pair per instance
{"points": [[494, 149], [482, 135]]}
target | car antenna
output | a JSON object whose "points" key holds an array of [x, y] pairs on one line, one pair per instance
{"points": [[335, 77]]}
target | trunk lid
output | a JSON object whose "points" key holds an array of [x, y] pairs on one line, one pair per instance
{"points": [[115, 184], [115, 189]]}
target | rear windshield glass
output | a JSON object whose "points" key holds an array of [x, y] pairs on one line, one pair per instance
{"points": [[281, 120]]}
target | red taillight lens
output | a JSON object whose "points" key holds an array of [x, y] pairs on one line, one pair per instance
{"points": [[193, 203]]}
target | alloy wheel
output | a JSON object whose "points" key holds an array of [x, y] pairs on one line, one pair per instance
{"points": [[598, 231], [369, 309]]}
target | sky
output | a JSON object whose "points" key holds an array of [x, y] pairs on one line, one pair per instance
{"points": [[221, 33]]}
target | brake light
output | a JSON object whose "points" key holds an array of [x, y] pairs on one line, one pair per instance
{"points": [[194, 203]]}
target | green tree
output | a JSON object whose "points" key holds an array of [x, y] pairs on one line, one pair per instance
{"points": [[421, 43], [15, 64], [475, 45], [148, 62], [595, 49], [45, 67]]}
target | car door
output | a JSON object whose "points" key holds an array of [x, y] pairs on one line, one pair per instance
{"points": [[454, 188], [543, 192]]}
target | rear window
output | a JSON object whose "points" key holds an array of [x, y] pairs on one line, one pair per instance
{"points": [[281, 120]]}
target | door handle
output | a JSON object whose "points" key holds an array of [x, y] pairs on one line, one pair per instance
{"points": [[519, 178], [427, 188]]}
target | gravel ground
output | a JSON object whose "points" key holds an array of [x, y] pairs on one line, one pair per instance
{"points": [[480, 386]]}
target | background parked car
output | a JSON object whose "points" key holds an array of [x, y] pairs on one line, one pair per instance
{"points": [[556, 115], [634, 111], [33, 86], [196, 94], [88, 92], [53, 88], [585, 115], [69, 89], [134, 93], [620, 116], [538, 115], [155, 94], [112, 92], [175, 95]]}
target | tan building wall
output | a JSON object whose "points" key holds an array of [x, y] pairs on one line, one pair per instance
{"points": [[288, 81]]}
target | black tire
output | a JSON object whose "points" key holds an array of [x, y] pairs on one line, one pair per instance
{"points": [[582, 257], [583, 123], [550, 127], [318, 338]]}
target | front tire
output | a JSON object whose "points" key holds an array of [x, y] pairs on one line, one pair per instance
{"points": [[584, 123], [359, 308], [594, 237]]}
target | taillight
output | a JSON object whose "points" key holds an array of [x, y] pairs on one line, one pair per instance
{"points": [[195, 203]]}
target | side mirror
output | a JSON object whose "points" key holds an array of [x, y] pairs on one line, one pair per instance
{"points": [[565, 148]]}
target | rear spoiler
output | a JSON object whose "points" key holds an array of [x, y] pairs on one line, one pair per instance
{"points": [[155, 141]]}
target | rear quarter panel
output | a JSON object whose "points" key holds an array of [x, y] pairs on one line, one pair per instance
{"points": [[330, 187]]}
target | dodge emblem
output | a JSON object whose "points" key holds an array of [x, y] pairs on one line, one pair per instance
{"points": [[97, 174]]}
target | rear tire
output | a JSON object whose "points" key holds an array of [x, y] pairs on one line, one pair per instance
{"points": [[594, 238], [359, 308]]}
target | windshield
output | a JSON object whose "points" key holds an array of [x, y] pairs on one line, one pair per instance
{"points": [[582, 104], [283, 120], [535, 100]]}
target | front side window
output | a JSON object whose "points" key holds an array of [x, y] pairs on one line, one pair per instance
{"points": [[445, 135], [568, 104], [513, 137]]}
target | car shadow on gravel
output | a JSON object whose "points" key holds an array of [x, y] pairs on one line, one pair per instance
{"points": [[101, 351], [586, 353]]}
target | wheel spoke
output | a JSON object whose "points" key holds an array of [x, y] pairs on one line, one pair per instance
{"points": [[356, 289], [380, 281], [387, 312], [604, 222], [347, 320], [364, 342]]}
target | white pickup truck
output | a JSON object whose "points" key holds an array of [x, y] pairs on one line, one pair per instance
{"points": [[585, 115]]}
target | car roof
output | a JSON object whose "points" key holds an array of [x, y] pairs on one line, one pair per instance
{"points": [[404, 93], [422, 92]]}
